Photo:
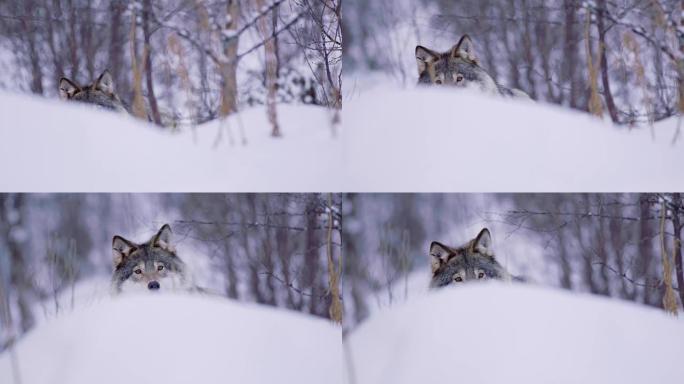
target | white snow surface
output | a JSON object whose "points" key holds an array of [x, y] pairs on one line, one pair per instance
{"points": [[178, 339], [55, 146], [512, 333], [427, 139]]}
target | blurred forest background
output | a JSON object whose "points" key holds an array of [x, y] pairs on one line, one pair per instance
{"points": [[281, 250], [179, 62], [621, 59], [627, 246]]}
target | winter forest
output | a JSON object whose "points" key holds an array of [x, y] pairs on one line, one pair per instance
{"points": [[614, 245], [179, 63], [618, 59], [341, 191], [275, 250]]}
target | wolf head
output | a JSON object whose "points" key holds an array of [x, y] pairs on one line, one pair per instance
{"points": [[152, 266], [100, 92], [473, 261], [457, 67]]}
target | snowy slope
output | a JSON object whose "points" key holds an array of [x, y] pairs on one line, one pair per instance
{"points": [[496, 333], [52, 146], [178, 339], [432, 139]]}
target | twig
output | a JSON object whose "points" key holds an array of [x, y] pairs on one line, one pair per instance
{"points": [[290, 285]]}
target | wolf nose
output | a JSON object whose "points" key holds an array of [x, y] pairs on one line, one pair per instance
{"points": [[153, 285]]}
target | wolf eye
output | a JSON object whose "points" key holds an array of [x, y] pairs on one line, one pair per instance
{"points": [[458, 279], [159, 268], [480, 275], [138, 271]]}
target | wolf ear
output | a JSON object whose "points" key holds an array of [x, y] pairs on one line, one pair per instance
{"points": [[465, 49], [424, 57], [483, 243], [121, 248], [163, 238], [104, 82], [439, 253], [67, 88]]}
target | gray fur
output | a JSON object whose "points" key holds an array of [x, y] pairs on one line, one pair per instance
{"points": [[156, 260], [458, 67], [473, 261], [99, 93]]}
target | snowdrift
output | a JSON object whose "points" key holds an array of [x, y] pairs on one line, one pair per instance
{"points": [[66, 147], [179, 339], [498, 333], [431, 139]]}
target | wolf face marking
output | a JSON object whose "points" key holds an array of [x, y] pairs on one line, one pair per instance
{"points": [[458, 67], [151, 266], [100, 92], [473, 261]]}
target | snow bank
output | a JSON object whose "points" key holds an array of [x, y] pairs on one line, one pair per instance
{"points": [[498, 333], [431, 139], [53, 146], [179, 339]]}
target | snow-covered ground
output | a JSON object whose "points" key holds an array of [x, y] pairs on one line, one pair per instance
{"points": [[446, 140], [392, 140], [54, 146], [178, 339], [499, 333]]}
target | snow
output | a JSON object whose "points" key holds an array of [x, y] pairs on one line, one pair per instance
{"points": [[426, 139], [178, 339], [54, 146], [508, 333], [392, 140]]}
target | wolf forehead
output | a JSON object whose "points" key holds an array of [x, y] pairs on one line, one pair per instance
{"points": [[467, 254], [148, 253], [93, 94]]}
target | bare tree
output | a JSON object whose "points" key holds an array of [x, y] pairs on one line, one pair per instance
{"points": [[147, 55], [271, 70], [81, 38]]}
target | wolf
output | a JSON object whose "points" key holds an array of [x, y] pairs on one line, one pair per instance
{"points": [[473, 261], [152, 265], [100, 93], [459, 67]]}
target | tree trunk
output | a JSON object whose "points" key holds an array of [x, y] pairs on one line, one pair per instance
{"points": [[271, 66], [680, 62], [310, 275], [229, 66], [669, 297], [147, 10], [138, 108], [57, 62], [335, 310], [643, 269], [595, 106], [605, 79], [587, 262], [267, 251], [677, 243], [285, 257], [570, 53], [602, 250], [20, 282], [88, 48], [563, 254], [529, 56], [29, 27], [253, 262], [116, 9], [72, 40]]}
